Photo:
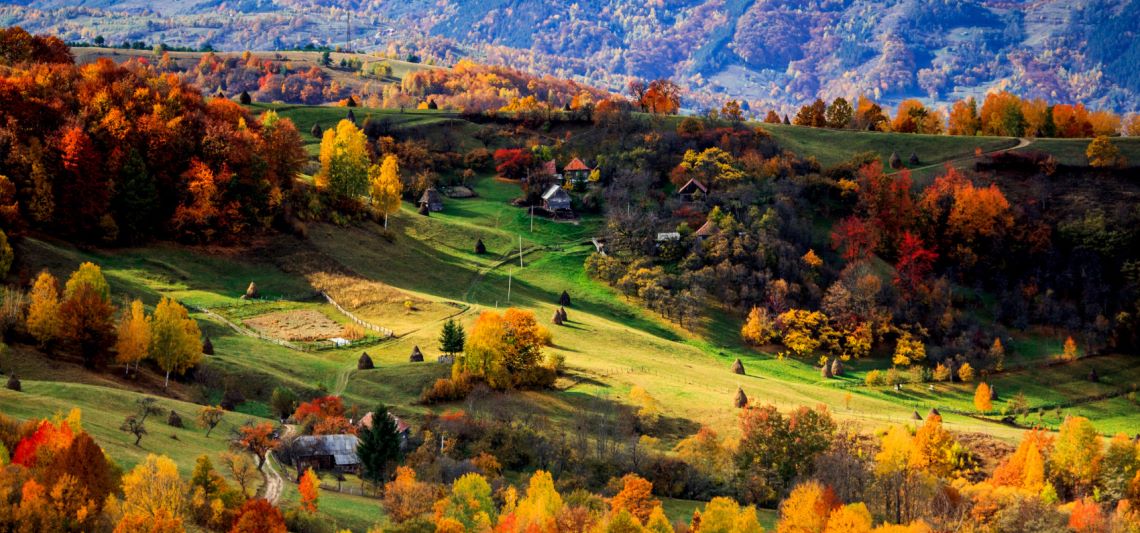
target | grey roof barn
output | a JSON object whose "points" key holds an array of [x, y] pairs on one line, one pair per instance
{"points": [[556, 198], [326, 452], [432, 200]]}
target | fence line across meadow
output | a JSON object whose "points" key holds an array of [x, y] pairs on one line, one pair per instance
{"points": [[300, 347], [387, 333]]}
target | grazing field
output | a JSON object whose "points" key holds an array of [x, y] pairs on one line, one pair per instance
{"points": [[1072, 151]]}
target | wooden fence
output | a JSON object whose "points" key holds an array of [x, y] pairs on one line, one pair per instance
{"points": [[383, 331]]}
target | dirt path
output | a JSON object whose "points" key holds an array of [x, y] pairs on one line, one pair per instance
{"points": [[274, 482], [1022, 142]]}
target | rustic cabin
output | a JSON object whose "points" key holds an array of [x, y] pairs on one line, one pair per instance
{"points": [[576, 172], [692, 191], [706, 230], [556, 199], [432, 200], [326, 452]]}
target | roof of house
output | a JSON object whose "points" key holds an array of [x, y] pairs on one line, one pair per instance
{"points": [[550, 167], [576, 164], [706, 229], [553, 191], [688, 187], [341, 447], [401, 426], [431, 196]]}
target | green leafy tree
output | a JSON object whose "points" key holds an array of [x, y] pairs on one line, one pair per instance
{"points": [[283, 401], [839, 113]]}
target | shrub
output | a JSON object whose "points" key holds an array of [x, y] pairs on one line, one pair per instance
{"points": [[447, 390], [874, 378], [893, 377]]}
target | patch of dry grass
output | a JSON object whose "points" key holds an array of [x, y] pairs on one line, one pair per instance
{"points": [[297, 325]]}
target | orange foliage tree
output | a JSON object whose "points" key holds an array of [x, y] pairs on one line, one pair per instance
{"points": [[310, 489]]}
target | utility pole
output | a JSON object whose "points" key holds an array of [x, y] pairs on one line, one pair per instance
{"points": [[348, 29], [520, 251], [510, 275]]}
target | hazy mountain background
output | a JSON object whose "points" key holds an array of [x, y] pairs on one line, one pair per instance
{"points": [[767, 52]]}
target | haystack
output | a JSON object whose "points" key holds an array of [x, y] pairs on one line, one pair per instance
{"points": [[245, 99], [738, 367], [417, 356], [564, 300], [317, 131], [993, 393], [207, 346], [895, 161], [825, 370], [741, 398], [836, 368], [479, 247], [14, 383], [365, 362], [424, 210], [914, 159], [174, 420], [1093, 377], [917, 416], [557, 320], [351, 117], [562, 310], [250, 292], [933, 411]]}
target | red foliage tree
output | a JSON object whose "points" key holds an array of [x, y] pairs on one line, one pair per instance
{"points": [[259, 516], [855, 239], [513, 163], [914, 264]]}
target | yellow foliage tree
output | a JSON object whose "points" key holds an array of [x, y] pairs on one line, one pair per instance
{"points": [[806, 509], [44, 319], [759, 328], [132, 343], [931, 451], [176, 341], [966, 373], [310, 489], [636, 496], [1103, 153], [344, 162], [541, 504], [1078, 453], [91, 275], [982, 398], [908, 350], [724, 515], [386, 186], [851, 518], [483, 351], [154, 490]]}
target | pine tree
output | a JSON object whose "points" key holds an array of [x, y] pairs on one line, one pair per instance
{"points": [[379, 447], [452, 338], [135, 198]]}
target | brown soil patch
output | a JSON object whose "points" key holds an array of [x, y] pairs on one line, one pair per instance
{"points": [[298, 325]]}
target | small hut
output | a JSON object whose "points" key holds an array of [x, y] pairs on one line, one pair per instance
{"points": [[174, 420], [895, 161], [432, 200], [692, 190], [914, 159], [417, 356], [836, 368], [741, 398], [207, 346], [738, 367], [365, 362], [251, 292], [481, 249], [556, 199], [14, 383], [564, 300]]}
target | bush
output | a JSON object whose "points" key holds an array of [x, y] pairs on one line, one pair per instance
{"points": [[447, 390], [874, 378]]}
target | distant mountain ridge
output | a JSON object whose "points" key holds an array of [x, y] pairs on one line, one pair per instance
{"points": [[767, 52]]}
